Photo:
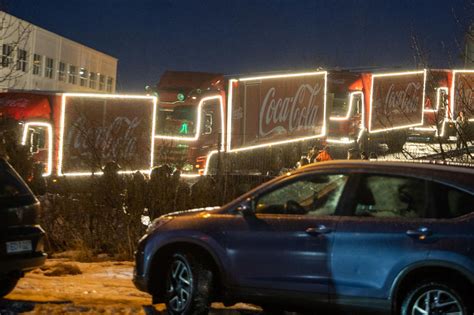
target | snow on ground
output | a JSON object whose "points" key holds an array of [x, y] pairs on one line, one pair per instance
{"points": [[102, 288]]}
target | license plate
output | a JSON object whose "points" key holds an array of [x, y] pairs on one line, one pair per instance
{"points": [[19, 247]]}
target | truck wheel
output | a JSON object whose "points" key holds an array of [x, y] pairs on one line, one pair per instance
{"points": [[396, 142], [189, 285], [7, 284], [436, 297]]}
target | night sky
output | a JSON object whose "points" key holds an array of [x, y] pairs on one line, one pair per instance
{"points": [[245, 36]]}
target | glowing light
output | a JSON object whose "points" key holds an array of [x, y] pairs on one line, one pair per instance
{"points": [[438, 99], [49, 168], [180, 97], [100, 173], [425, 128], [277, 76], [190, 175], [208, 161], [371, 100], [198, 122], [112, 96], [349, 110], [184, 128], [229, 112], [346, 140], [343, 140]]}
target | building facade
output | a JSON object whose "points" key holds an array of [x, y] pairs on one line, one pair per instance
{"points": [[33, 58]]}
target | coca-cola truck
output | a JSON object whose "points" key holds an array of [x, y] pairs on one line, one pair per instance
{"points": [[76, 134], [370, 109], [447, 93], [206, 121]]}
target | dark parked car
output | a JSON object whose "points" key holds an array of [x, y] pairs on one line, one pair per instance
{"points": [[352, 235], [21, 238]]}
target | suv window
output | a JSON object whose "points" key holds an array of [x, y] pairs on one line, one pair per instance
{"points": [[312, 195], [390, 196], [451, 202]]}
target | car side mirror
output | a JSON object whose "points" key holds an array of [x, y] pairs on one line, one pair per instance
{"points": [[246, 208]]}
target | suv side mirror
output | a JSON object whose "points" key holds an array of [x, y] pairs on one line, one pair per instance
{"points": [[246, 208]]}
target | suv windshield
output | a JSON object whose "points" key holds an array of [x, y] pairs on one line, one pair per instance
{"points": [[178, 121], [11, 185]]}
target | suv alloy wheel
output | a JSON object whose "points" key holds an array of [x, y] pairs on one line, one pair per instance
{"points": [[189, 285]]}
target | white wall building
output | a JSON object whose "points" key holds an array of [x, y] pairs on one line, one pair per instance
{"points": [[33, 58]]}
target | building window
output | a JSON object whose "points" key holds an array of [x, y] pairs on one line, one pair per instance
{"points": [[93, 80], [7, 55], [110, 83], [83, 74], [22, 63], [49, 68], [37, 64], [72, 75], [101, 82], [62, 72]]}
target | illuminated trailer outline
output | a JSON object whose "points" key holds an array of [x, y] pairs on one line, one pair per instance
{"points": [[370, 130], [450, 109], [113, 96], [265, 77], [367, 109]]}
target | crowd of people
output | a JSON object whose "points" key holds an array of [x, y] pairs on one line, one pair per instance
{"points": [[321, 154]]}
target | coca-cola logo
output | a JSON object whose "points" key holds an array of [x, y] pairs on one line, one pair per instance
{"points": [[287, 114], [405, 101], [117, 140]]}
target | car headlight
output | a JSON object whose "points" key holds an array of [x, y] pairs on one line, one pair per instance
{"points": [[157, 223]]}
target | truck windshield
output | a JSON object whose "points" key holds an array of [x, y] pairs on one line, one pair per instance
{"points": [[177, 121], [340, 104]]}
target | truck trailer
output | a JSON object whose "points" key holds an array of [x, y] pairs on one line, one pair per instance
{"points": [[204, 119], [448, 93], [378, 108], [77, 134]]}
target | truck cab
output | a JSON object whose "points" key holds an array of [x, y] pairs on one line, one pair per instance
{"points": [[190, 120], [370, 109]]}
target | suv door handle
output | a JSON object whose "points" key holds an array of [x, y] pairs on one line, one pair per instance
{"points": [[420, 233], [320, 229]]}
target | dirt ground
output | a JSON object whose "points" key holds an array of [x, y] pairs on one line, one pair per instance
{"points": [[63, 286]]}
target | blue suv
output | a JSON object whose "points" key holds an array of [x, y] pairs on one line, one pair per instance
{"points": [[387, 237]]}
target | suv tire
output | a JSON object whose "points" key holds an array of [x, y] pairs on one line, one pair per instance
{"points": [[438, 293], [189, 285], [7, 284]]}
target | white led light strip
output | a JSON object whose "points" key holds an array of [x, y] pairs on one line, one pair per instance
{"points": [[229, 110], [349, 110], [438, 97], [345, 140], [198, 123], [49, 168], [371, 100], [113, 96]]}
